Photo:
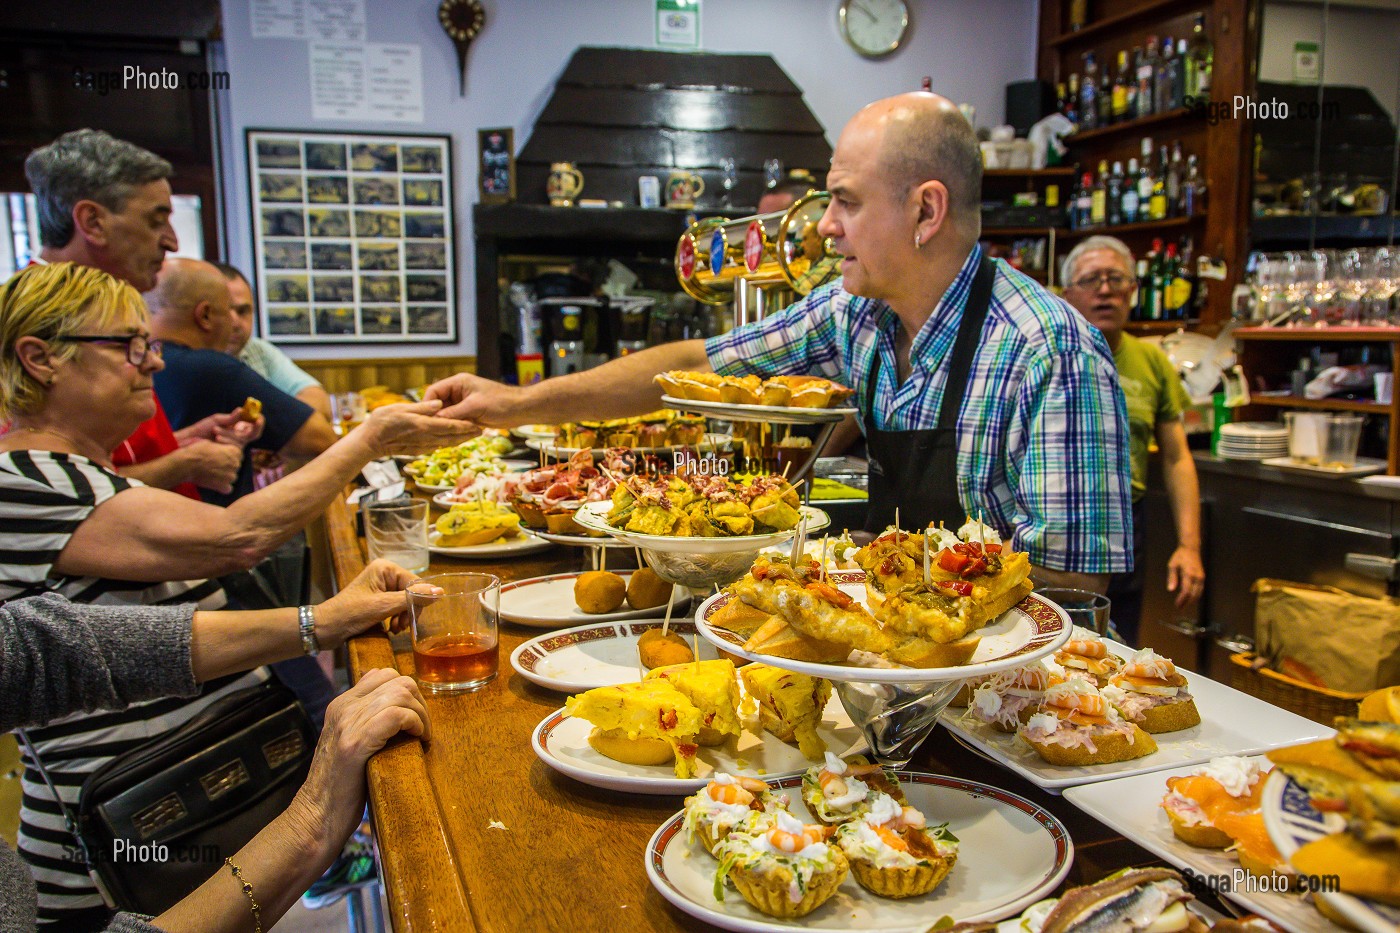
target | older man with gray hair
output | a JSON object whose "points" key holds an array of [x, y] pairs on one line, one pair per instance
{"points": [[1099, 283], [104, 202]]}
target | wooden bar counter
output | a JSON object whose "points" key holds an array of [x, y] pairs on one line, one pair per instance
{"points": [[569, 857]]}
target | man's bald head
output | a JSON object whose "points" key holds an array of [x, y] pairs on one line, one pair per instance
{"points": [[190, 304], [925, 137]]}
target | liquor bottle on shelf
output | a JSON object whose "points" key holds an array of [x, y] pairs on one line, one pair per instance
{"points": [[1082, 206], [1193, 189], [1144, 182], [1200, 61], [1130, 194], [1098, 198], [1105, 96], [1078, 14], [1089, 94], [1144, 292], [1115, 195], [1157, 273], [1121, 84], [1146, 79], [1166, 91], [1176, 174], [1176, 291], [1071, 104], [1158, 207]]}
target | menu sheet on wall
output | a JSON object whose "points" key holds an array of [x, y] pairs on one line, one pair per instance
{"points": [[353, 236], [317, 20], [376, 82]]}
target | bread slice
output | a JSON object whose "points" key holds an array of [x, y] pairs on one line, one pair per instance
{"points": [[1363, 870], [1171, 717], [615, 744], [739, 617], [1202, 836], [926, 653], [1112, 746], [778, 638]]}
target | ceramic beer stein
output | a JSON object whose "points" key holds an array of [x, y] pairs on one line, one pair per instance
{"points": [[682, 188], [565, 183]]}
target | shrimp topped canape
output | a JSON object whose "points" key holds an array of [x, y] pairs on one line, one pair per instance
{"points": [[787, 871], [731, 804], [1150, 692], [1007, 699], [892, 851], [1088, 654], [838, 790], [1079, 727]]}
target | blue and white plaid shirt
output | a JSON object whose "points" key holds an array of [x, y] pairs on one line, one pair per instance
{"points": [[1043, 432]]}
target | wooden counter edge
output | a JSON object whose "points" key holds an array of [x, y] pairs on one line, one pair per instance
{"points": [[424, 891]]}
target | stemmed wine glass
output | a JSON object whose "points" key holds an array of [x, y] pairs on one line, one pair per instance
{"points": [[1384, 282]]}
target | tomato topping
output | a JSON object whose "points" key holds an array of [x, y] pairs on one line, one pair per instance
{"points": [[687, 749], [975, 568], [961, 587], [831, 594], [993, 548], [952, 561], [667, 718], [1361, 746]]}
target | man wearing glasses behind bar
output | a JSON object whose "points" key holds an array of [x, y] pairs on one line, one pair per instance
{"points": [[1099, 283], [981, 393]]}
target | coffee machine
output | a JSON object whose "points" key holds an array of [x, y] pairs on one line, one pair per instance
{"points": [[581, 333]]}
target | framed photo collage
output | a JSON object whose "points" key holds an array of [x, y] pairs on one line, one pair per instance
{"points": [[353, 236]]}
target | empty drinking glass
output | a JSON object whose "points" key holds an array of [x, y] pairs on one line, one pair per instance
{"points": [[397, 530], [1384, 282]]}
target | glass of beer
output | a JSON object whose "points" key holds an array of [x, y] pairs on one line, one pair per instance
{"points": [[455, 619]]}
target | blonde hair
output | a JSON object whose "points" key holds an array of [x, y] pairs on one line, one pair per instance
{"points": [[60, 299]]}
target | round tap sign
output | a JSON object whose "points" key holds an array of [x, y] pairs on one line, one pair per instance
{"points": [[685, 256], [753, 246]]}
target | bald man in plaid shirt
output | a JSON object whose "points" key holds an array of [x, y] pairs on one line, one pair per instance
{"points": [[981, 393]]}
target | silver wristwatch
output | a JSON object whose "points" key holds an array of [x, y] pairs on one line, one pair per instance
{"points": [[306, 622]]}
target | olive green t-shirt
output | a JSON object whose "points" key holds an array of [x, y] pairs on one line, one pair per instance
{"points": [[1154, 394]]}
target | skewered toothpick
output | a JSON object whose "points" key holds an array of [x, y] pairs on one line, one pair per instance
{"points": [[638, 551], [927, 581], [695, 648], [798, 541], [602, 559], [670, 605]]}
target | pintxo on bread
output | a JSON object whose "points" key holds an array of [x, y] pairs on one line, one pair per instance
{"points": [[776, 391]]}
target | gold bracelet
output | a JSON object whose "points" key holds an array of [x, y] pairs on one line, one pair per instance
{"points": [[247, 890]]}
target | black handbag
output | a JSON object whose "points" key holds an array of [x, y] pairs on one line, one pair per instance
{"points": [[157, 822]]}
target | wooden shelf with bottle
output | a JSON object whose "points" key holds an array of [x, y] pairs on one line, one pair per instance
{"points": [[1320, 334], [1023, 231], [1319, 404], [1145, 226], [1160, 327], [1155, 9], [1128, 126]]}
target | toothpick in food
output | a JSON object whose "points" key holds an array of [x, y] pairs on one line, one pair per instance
{"points": [[670, 605]]}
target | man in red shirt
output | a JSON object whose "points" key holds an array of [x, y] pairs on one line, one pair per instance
{"points": [[105, 203]]}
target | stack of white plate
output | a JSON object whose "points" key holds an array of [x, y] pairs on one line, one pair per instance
{"points": [[1253, 440]]}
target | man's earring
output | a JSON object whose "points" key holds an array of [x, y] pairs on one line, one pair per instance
{"points": [[918, 243]]}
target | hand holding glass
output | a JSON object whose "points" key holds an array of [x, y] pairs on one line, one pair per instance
{"points": [[398, 531]]}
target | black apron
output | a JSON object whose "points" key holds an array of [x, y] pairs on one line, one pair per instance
{"points": [[916, 471]]}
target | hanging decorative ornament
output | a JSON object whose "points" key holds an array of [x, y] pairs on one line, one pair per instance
{"points": [[462, 21]]}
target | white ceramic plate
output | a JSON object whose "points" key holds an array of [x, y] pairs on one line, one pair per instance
{"points": [[589, 656], [1011, 854], [548, 602], [773, 414], [536, 431], [607, 541], [562, 743], [434, 487], [1232, 723], [594, 515], [1029, 630], [1131, 805], [501, 547], [1292, 822], [711, 442]]}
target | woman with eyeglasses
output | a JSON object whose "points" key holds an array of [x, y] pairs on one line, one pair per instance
{"points": [[1100, 284], [76, 362]]}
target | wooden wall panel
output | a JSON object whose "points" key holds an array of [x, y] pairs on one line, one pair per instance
{"points": [[398, 374]]}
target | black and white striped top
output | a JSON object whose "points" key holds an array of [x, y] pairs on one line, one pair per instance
{"points": [[44, 497]]}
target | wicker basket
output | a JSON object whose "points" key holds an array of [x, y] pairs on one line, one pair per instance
{"points": [[1316, 703]]}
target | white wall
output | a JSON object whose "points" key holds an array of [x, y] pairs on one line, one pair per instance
{"points": [[1362, 46], [971, 50]]}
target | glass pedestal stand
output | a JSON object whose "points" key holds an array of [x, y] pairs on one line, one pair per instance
{"points": [[895, 718]]}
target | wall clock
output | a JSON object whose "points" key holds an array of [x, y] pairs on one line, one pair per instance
{"points": [[874, 27], [462, 21]]}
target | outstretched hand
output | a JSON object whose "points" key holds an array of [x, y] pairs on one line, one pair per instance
{"points": [[472, 398]]}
